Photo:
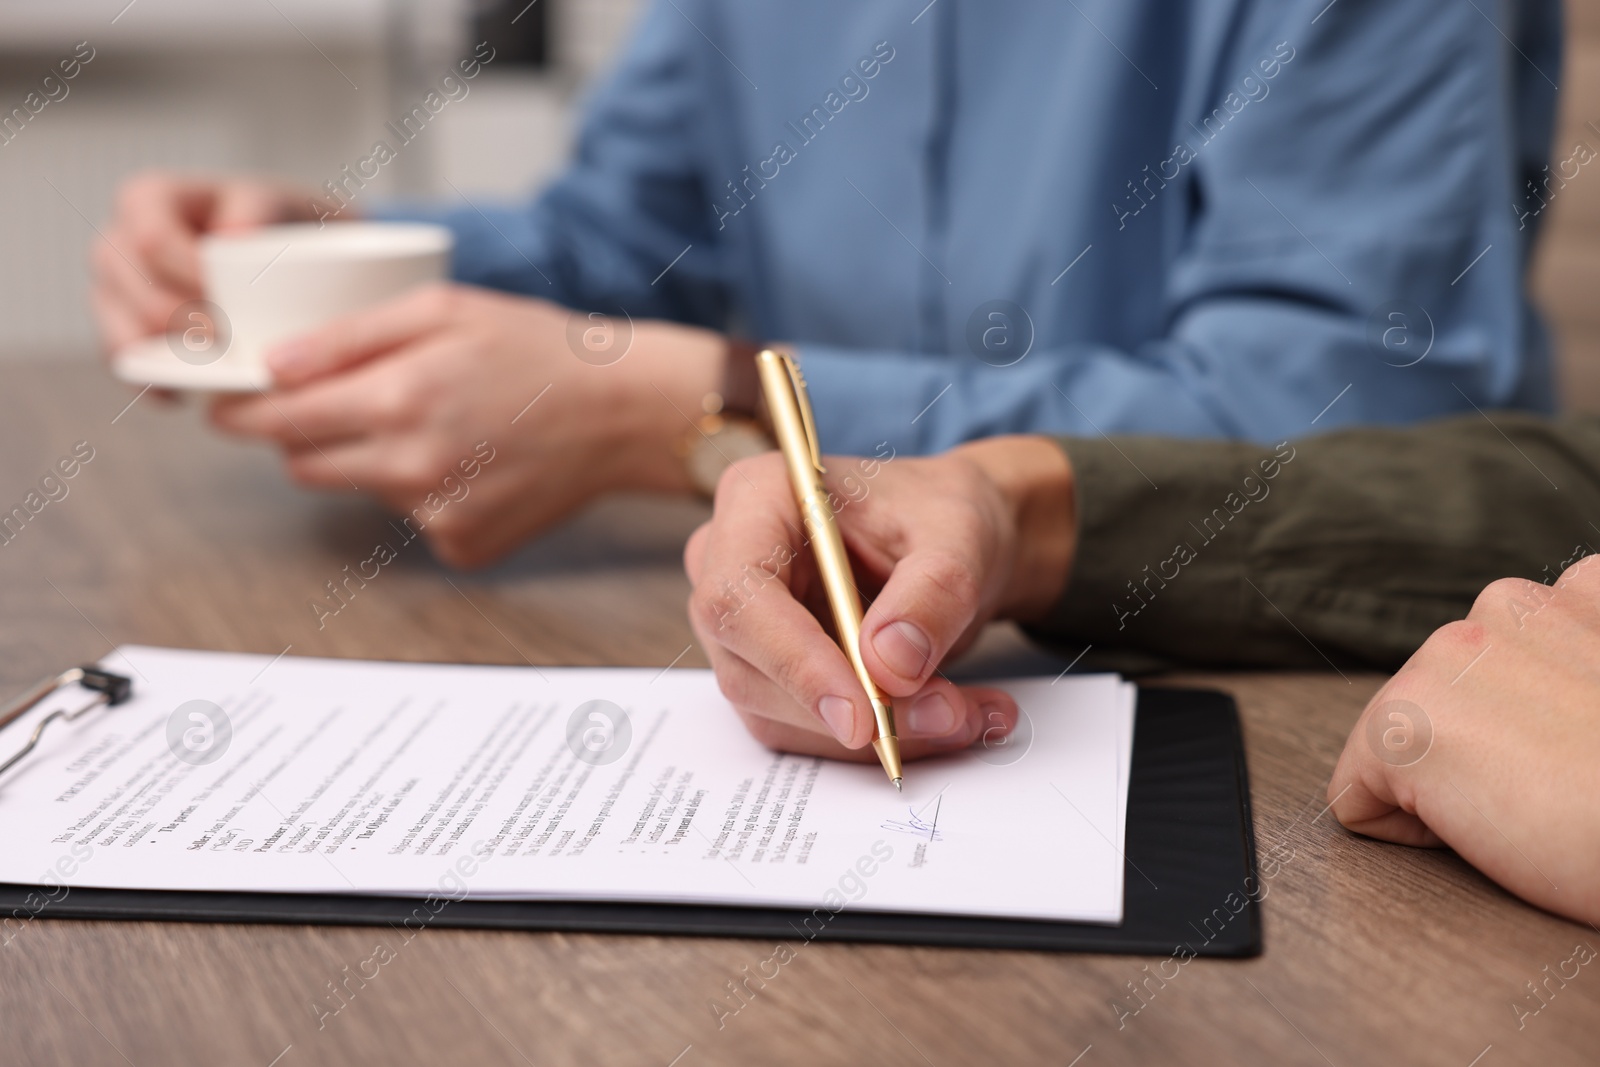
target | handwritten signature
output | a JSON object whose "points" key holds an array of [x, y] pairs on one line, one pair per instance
{"points": [[915, 824]]}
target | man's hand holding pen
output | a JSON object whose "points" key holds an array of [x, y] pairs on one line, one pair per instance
{"points": [[940, 546]]}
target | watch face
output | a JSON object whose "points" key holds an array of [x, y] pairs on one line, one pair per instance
{"points": [[714, 451]]}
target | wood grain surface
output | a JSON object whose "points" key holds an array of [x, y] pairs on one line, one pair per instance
{"points": [[171, 536]]}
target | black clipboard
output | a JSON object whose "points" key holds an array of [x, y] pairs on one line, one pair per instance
{"points": [[1190, 885]]}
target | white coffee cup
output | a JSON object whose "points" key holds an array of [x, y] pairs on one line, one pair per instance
{"points": [[271, 284]]}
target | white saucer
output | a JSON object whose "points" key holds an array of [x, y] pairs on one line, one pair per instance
{"points": [[152, 362]]}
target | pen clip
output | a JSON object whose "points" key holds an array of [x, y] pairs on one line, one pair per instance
{"points": [[802, 401]]}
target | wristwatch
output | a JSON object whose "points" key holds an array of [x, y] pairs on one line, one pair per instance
{"points": [[729, 427]]}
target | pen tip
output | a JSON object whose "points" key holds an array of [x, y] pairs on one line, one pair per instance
{"points": [[897, 785]]}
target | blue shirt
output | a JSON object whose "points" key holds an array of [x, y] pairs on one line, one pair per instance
{"points": [[1186, 217]]}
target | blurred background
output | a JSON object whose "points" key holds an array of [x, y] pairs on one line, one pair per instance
{"points": [[300, 88], [303, 88]]}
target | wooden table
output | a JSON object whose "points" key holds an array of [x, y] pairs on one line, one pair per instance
{"points": [[1375, 954]]}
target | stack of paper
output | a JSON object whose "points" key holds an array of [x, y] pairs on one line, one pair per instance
{"points": [[244, 773]]}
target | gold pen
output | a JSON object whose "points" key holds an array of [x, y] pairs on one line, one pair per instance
{"points": [[790, 411]]}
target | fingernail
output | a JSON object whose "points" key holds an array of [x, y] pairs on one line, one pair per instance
{"points": [[904, 649], [840, 715], [931, 716], [992, 722]]}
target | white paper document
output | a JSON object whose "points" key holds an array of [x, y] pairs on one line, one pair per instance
{"points": [[248, 773]]}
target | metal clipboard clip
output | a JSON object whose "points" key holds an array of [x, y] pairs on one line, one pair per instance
{"points": [[109, 690]]}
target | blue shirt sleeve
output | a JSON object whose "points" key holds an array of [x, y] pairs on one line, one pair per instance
{"points": [[628, 203], [1352, 249], [1386, 158]]}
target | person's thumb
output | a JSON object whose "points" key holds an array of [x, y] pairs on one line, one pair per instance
{"points": [[932, 596]]}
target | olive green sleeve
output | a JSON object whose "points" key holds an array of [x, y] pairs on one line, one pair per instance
{"points": [[1348, 548]]}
